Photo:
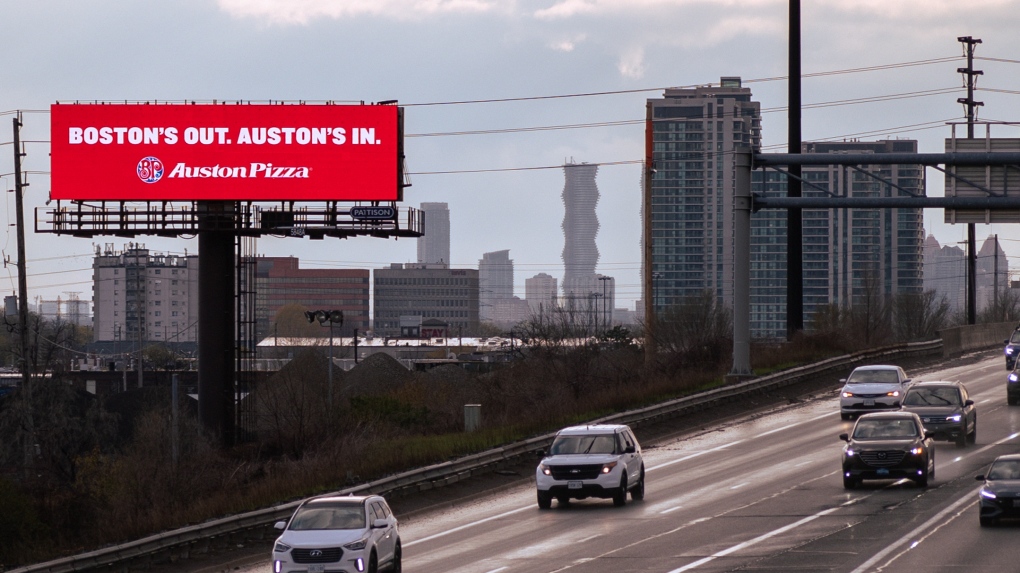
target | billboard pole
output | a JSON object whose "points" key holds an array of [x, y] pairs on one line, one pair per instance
{"points": [[215, 329]]}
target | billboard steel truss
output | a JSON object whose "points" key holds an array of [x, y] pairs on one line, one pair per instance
{"points": [[171, 219]]}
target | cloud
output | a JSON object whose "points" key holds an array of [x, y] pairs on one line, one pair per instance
{"points": [[570, 8], [632, 63], [304, 11], [567, 45]]}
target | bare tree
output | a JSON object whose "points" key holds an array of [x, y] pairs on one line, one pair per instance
{"points": [[698, 327], [919, 316], [1005, 307]]}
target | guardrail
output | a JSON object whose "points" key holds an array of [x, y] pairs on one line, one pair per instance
{"points": [[172, 546]]}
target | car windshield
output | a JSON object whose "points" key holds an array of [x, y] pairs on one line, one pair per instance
{"points": [[932, 397], [329, 516], [873, 377], [884, 429], [1015, 337], [600, 444], [1004, 469]]}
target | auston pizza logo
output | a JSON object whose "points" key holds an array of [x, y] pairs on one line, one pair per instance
{"points": [[150, 170]]}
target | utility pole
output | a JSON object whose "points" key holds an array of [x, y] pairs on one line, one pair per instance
{"points": [[995, 275], [794, 219], [969, 72], [26, 362]]}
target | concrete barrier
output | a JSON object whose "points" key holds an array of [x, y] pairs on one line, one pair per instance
{"points": [[960, 339]]}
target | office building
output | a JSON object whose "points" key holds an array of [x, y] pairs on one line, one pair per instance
{"points": [[541, 293], [991, 274], [945, 272], [580, 226], [434, 245], [450, 295], [279, 282], [495, 282], [140, 296], [72, 310]]}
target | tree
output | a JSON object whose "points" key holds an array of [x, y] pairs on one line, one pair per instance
{"points": [[698, 324], [919, 316]]}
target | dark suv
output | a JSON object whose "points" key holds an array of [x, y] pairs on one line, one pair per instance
{"points": [[1012, 348], [946, 410], [1013, 387], [887, 445]]}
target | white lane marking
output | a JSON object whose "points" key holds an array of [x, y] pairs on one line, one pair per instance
{"points": [[504, 568], [739, 485], [754, 541], [969, 496], [694, 455], [466, 526], [788, 426], [588, 538], [984, 449], [672, 509]]}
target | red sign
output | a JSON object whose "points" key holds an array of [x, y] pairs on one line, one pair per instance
{"points": [[181, 152]]}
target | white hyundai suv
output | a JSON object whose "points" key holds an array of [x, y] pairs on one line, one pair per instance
{"points": [[349, 534], [601, 461]]}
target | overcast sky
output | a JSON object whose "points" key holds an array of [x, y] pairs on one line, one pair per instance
{"points": [[445, 51]]}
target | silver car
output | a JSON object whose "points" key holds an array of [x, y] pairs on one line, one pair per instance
{"points": [[872, 389]]}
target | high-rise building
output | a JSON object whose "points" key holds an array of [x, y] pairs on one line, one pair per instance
{"points": [[580, 226], [541, 293], [434, 245], [991, 273], [945, 272], [848, 254], [140, 296], [449, 295], [846, 251], [694, 132], [70, 309], [280, 282], [495, 282]]}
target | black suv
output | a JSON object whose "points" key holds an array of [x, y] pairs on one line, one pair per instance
{"points": [[887, 445], [1013, 387], [1012, 348], [946, 410]]}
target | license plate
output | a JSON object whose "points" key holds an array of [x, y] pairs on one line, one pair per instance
{"points": [[573, 485], [869, 402], [882, 472], [317, 568]]}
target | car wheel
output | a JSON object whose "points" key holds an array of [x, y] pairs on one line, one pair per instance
{"points": [[373, 563], [398, 565], [638, 493], [850, 483], [620, 497], [544, 500], [972, 436]]}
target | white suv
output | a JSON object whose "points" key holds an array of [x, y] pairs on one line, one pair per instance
{"points": [[591, 461], [338, 533]]}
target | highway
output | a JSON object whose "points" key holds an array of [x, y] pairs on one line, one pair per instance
{"points": [[762, 493]]}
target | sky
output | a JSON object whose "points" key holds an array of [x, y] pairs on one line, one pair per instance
{"points": [[873, 70]]}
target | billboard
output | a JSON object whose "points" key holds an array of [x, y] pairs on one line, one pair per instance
{"points": [[216, 152]]}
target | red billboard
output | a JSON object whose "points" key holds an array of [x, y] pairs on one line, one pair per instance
{"points": [[214, 152]]}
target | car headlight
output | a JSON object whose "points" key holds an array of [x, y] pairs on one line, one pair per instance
{"points": [[848, 394], [544, 469], [953, 418], [1009, 350], [281, 547], [608, 467], [894, 393], [987, 493], [1012, 377], [357, 545], [917, 451], [849, 452]]}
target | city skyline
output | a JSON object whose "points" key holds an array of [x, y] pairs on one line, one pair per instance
{"points": [[494, 150]]}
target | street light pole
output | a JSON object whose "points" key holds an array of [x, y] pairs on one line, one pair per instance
{"points": [[332, 317]]}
